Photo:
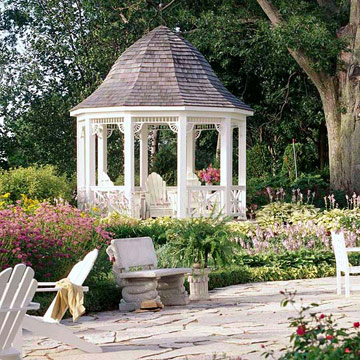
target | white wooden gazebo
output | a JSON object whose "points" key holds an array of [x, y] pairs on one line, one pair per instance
{"points": [[160, 82]]}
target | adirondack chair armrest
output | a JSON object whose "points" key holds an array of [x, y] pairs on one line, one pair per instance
{"points": [[52, 289], [46, 283], [354, 249], [31, 306], [147, 197]]}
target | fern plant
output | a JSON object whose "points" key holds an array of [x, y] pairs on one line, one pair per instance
{"points": [[198, 240]]}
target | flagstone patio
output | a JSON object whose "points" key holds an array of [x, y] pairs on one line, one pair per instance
{"points": [[236, 322]]}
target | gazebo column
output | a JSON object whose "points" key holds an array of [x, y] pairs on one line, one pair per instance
{"points": [[226, 150], [89, 160], [144, 157], [242, 163], [80, 163], [129, 168], [181, 168], [102, 152], [190, 152]]}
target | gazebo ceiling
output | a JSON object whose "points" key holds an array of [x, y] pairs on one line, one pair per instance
{"points": [[162, 69]]}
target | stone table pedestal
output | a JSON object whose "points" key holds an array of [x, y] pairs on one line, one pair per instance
{"points": [[199, 284]]}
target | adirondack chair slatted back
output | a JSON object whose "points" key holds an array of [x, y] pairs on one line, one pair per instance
{"points": [[341, 256], [17, 288], [81, 270], [192, 179], [155, 186], [139, 252], [77, 276]]}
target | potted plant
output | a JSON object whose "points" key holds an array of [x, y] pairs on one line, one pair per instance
{"points": [[197, 242]]}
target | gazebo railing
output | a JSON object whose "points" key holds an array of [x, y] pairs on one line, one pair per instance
{"points": [[110, 198], [238, 201], [205, 200], [210, 200], [201, 200]]}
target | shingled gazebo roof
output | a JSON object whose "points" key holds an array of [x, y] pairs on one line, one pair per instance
{"points": [[162, 69]]}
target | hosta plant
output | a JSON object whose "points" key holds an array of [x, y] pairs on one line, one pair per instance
{"points": [[281, 212]]}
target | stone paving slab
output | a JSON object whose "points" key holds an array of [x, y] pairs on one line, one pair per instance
{"points": [[236, 321]]}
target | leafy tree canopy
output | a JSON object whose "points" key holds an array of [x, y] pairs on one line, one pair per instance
{"points": [[56, 52]]}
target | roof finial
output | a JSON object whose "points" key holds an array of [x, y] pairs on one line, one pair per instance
{"points": [[177, 28]]}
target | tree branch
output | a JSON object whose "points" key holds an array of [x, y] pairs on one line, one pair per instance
{"points": [[167, 5], [320, 79]]}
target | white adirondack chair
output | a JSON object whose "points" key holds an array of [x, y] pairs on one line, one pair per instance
{"points": [[17, 288], [192, 179], [156, 198], [342, 261], [47, 326], [104, 180]]}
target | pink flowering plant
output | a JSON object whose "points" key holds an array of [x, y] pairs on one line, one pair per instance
{"points": [[50, 238], [317, 336], [210, 175]]}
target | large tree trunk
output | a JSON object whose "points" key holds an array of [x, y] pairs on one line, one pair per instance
{"points": [[340, 109], [340, 97]]}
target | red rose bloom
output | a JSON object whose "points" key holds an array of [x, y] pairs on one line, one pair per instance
{"points": [[347, 351], [322, 316], [300, 330], [329, 337], [356, 324]]}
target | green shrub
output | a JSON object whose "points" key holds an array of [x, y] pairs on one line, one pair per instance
{"points": [[290, 259], [102, 296], [165, 163], [313, 182], [256, 189], [244, 274], [258, 162], [313, 186], [306, 159], [125, 227], [40, 183]]}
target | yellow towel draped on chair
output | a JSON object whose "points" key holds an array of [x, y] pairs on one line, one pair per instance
{"points": [[69, 296]]}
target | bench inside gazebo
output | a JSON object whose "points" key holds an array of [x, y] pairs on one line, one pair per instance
{"points": [[161, 82]]}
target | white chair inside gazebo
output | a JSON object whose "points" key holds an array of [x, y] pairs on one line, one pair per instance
{"points": [[156, 197]]}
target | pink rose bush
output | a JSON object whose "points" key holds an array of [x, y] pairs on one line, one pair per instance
{"points": [[49, 238], [317, 336]]}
